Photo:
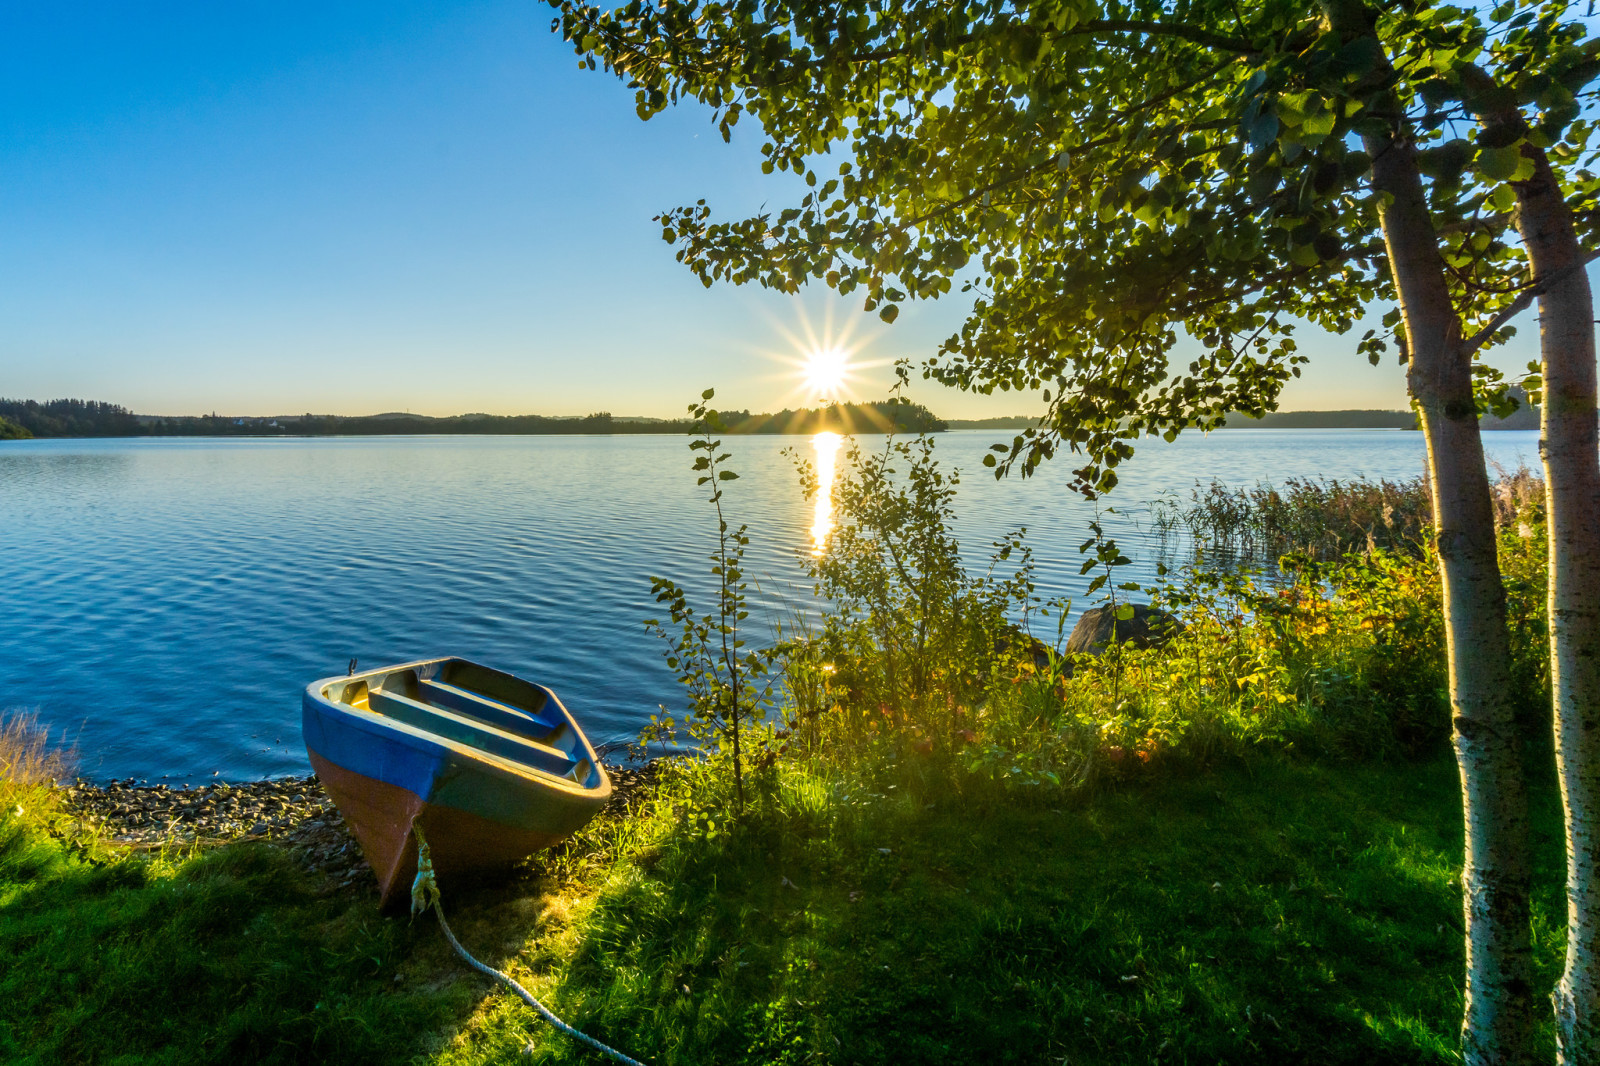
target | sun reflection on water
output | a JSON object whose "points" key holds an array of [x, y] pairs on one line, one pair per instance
{"points": [[827, 448]]}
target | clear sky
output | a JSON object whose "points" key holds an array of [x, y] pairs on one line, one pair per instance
{"points": [[268, 208]]}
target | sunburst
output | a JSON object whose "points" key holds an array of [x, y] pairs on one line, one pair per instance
{"points": [[823, 363]]}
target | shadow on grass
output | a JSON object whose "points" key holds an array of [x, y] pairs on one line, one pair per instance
{"points": [[1287, 912]]}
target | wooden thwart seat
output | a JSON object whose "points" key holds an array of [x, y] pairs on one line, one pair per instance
{"points": [[495, 713], [471, 732]]}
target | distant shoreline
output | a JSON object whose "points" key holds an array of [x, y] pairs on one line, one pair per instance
{"points": [[93, 419], [80, 419]]}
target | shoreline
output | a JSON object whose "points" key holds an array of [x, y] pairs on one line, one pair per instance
{"points": [[293, 813]]}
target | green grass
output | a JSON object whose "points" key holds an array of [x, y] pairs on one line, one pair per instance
{"points": [[1274, 911], [227, 957], [1281, 913]]}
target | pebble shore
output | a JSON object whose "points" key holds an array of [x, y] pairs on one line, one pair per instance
{"points": [[289, 812]]}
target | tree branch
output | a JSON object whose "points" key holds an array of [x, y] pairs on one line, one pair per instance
{"points": [[1193, 34], [1535, 289]]}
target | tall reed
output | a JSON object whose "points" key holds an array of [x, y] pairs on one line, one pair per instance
{"points": [[27, 759], [1319, 518]]}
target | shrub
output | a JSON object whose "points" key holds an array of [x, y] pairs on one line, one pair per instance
{"points": [[909, 637], [727, 684]]}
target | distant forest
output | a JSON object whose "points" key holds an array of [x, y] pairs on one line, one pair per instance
{"points": [[89, 418], [1325, 420], [69, 418], [1526, 416]]}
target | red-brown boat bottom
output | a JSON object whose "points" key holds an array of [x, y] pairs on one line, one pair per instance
{"points": [[462, 844]]}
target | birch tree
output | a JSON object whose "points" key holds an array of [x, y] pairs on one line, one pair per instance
{"points": [[1523, 98], [1104, 179]]}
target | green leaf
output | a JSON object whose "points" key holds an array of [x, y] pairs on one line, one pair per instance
{"points": [[1358, 57], [1499, 164], [1263, 131], [1319, 125]]}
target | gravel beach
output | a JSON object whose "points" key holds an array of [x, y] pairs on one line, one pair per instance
{"points": [[289, 812]]}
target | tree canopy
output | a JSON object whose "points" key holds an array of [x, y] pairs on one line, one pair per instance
{"points": [[1102, 179]]}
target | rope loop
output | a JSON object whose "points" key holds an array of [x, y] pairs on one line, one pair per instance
{"points": [[424, 887], [425, 896]]}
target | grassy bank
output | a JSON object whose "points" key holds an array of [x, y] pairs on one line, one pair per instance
{"points": [[174, 955], [1274, 909]]}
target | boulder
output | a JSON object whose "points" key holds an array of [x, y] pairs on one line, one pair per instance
{"points": [[1149, 627]]}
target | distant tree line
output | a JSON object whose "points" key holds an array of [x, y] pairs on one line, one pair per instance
{"points": [[1324, 420], [92, 418], [891, 415], [89, 418], [1523, 415], [70, 418]]}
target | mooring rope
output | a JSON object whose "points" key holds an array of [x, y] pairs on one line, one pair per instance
{"points": [[425, 895]]}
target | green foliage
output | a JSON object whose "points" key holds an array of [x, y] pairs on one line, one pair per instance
{"points": [[10, 430], [1524, 540], [1346, 662], [1103, 181], [909, 633], [1107, 556], [727, 684], [916, 658]]}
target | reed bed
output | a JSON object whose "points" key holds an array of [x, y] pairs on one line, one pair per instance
{"points": [[1322, 519]]}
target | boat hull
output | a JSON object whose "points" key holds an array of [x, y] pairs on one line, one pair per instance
{"points": [[397, 762], [463, 844]]}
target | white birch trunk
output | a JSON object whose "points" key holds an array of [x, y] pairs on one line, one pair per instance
{"points": [[1571, 452], [1497, 1026], [1498, 1020]]}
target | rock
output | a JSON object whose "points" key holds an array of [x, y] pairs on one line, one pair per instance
{"points": [[1149, 627]]}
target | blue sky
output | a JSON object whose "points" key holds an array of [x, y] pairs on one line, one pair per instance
{"points": [[279, 207]]}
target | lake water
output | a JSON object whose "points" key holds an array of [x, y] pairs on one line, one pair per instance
{"points": [[165, 601]]}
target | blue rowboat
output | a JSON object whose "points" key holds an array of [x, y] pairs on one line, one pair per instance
{"points": [[492, 766]]}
